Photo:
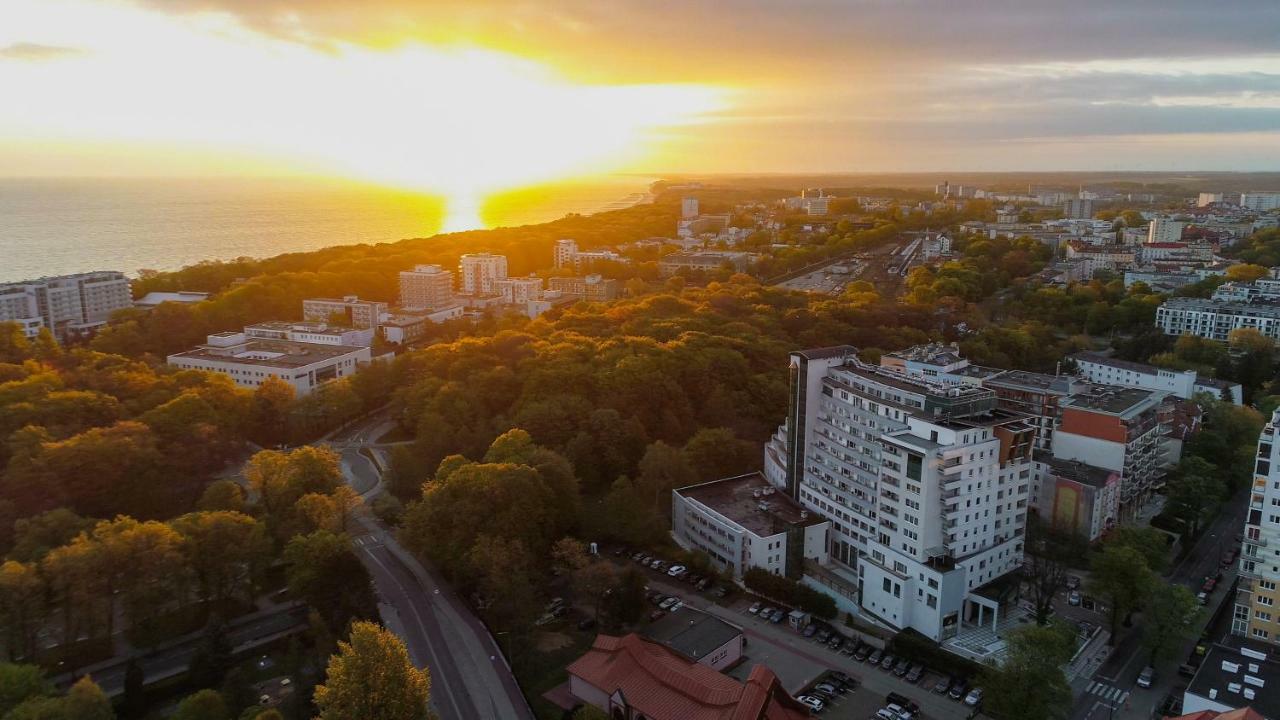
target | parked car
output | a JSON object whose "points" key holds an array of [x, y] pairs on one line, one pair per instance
{"points": [[942, 686], [809, 630], [886, 662], [827, 688], [1187, 670], [849, 648], [813, 703], [654, 563], [902, 667], [903, 701], [875, 657], [777, 617], [959, 688], [703, 584], [842, 678], [755, 608], [835, 642], [1146, 677], [974, 698], [719, 591], [915, 673], [886, 714], [656, 614], [1073, 582], [1073, 598], [766, 612], [676, 570], [668, 603], [899, 711], [1209, 584], [636, 557], [1203, 597], [863, 651], [822, 635]]}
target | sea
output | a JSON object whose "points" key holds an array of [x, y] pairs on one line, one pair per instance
{"points": [[55, 226]]}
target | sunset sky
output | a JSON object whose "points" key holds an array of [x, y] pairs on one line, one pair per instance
{"points": [[494, 94]]}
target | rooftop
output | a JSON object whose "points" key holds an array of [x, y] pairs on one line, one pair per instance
{"points": [[1235, 669], [270, 353], [751, 502], [935, 353], [692, 633], [1100, 359], [1025, 380], [315, 328], [1075, 470], [826, 352], [661, 684], [1113, 400]]}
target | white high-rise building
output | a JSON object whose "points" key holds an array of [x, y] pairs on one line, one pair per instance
{"points": [[69, 305], [1208, 199], [1164, 230], [689, 208], [517, 291], [926, 487], [427, 287], [1260, 200], [566, 251], [479, 271], [1257, 610]]}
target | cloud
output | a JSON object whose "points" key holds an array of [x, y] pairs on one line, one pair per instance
{"points": [[36, 52]]}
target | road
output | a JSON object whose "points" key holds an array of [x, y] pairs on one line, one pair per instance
{"points": [[173, 658], [470, 679], [1112, 691]]}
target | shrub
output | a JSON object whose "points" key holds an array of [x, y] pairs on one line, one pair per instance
{"points": [[790, 592]]}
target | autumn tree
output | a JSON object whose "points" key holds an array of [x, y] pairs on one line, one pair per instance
{"points": [[661, 469], [224, 550], [324, 571], [202, 705], [714, 453], [372, 678], [22, 607]]}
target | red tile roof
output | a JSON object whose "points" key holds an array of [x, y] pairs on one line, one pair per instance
{"points": [[665, 686], [1241, 714]]}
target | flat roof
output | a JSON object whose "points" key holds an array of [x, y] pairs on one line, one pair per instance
{"points": [[309, 327], [1025, 380], [1074, 469], [1100, 359], [1236, 664], [826, 352], [1112, 399], [271, 353], [692, 633], [752, 502]]}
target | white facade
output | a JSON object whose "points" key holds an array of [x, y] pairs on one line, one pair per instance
{"points": [[1164, 230], [1215, 320], [68, 304], [315, 333], [926, 486], [1257, 610], [689, 208], [250, 361], [428, 287], [1180, 383], [743, 522], [358, 313], [565, 252], [1208, 199], [480, 271], [1260, 200]]}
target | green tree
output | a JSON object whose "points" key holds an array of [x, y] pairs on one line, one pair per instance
{"points": [[1168, 619], [203, 705], [1151, 542], [1029, 684], [1121, 575], [372, 678], [714, 453], [1048, 557], [1194, 493], [20, 682], [323, 570], [627, 602], [86, 701], [14, 347], [269, 416], [22, 607], [224, 550], [661, 469], [35, 536], [222, 495]]}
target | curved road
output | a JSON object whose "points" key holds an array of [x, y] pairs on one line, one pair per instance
{"points": [[470, 678]]}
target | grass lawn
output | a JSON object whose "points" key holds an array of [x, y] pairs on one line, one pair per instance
{"points": [[540, 670]]}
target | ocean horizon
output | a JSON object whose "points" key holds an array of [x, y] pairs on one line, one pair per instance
{"points": [[56, 226]]}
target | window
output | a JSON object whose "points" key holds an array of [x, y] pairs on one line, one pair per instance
{"points": [[1265, 600], [915, 466], [888, 586], [1260, 633]]}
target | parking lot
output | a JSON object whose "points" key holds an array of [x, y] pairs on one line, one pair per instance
{"points": [[798, 661]]}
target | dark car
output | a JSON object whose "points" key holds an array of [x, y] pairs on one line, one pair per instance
{"points": [[863, 651], [835, 642], [876, 655], [809, 631], [894, 698], [777, 617], [841, 678], [849, 648], [915, 673], [703, 584], [959, 688], [902, 667], [886, 662], [823, 635], [942, 686]]}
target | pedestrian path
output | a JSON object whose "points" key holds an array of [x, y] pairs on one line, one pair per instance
{"points": [[1111, 694]]}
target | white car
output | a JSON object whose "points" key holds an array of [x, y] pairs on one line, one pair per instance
{"points": [[811, 702], [755, 608], [1074, 598], [974, 697], [675, 570], [1146, 677]]}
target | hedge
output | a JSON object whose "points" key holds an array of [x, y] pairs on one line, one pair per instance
{"points": [[790, 592], [914, 646]]}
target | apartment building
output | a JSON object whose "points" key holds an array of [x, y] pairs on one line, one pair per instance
{"points": [[1075, 496], [1257, 609], [1119, 429], [478, 273], [743, 522], [426, 287], [1164, 230], [926, 487], [1185, 384], [1077, 208], [1260, 289], [518, 291], [592, 288], [1215, 319], [1261, 201], [568, 255], [311, 332], [351, 309], [1035, 395], [250, 360], [71, 306]]}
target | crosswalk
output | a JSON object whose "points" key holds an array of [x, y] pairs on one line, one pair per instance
{"points": [[1111, 694]]}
